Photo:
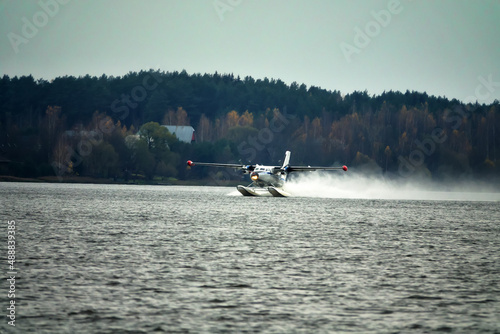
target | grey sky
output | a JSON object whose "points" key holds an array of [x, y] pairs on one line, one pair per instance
{"points": [[447, 48]]}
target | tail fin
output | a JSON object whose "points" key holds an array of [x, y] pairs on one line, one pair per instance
{"points": [[287, 159]]}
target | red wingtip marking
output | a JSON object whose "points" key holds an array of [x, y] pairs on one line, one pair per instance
{"points": [[344, 168], [190, 163]]}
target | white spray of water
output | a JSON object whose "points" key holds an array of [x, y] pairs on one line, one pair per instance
{"points": [[359, 185]]}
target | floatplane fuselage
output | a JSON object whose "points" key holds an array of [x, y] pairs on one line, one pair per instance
{"points": [[266, 180]]}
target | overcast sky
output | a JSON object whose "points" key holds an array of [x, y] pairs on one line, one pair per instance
{"points": [[446, 48]]}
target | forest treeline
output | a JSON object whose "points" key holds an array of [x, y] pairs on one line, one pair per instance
{"points": [[110, 127]]}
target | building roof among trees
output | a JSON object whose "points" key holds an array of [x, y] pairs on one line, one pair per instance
{"points": [[184, 133]]}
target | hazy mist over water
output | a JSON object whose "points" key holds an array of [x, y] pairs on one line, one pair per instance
{"points": [[173, 259], [366, 186]]}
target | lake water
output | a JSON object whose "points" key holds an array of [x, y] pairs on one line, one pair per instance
{"points": [[169, 259]]}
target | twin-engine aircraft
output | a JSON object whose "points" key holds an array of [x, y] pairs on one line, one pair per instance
{"points": [[266, 180]]}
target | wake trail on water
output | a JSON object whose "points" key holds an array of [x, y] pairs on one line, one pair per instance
{"points": [[329, 185]]}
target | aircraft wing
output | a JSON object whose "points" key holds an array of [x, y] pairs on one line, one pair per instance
{"points": [[310, 169], [214, 164]]}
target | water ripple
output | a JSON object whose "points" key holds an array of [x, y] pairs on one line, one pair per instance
{"points": [[144, 259]]}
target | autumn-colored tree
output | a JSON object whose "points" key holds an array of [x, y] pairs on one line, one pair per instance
{"points": [[60, 154], [246, 119], [102, 123], [403, 141], [232, 119], [178, 117], [169, 118], [301, 133], [181, 116], [387, 153], [326, 126], [316, 129], [204, 129]]}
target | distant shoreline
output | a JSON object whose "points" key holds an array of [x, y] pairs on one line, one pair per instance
{"points": [[92, 180]]}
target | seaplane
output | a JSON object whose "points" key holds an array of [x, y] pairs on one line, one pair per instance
{"points": [[266, 180]]}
